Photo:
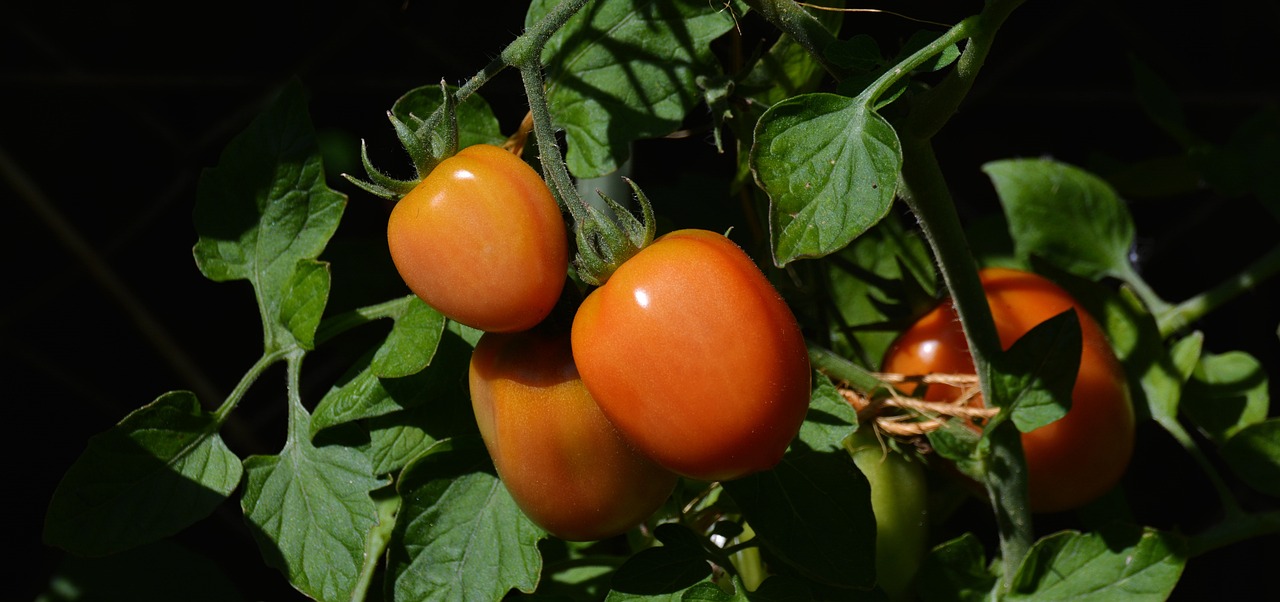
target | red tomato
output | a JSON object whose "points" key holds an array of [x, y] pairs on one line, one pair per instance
{"points": [[564, 464], [695, 357], [1073, 460], [482, 241]]}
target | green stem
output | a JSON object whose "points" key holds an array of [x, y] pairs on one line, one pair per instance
{"points": [[923, 187], [803, 27], [376, 544], [266, 361], [957, 33], [336, 325], [299, 419], [553, 167], [842, 369], [1183, 314]]}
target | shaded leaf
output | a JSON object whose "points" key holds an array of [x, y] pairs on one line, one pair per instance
{"points": [[1226, 393], [310, 510], [1064, 215], [159, 470], [624, 70], [160, 572], [661, 571], [263, 212], [459, 535], [1253, 454], [1037, 373], [957, 571], [1118, 564]]}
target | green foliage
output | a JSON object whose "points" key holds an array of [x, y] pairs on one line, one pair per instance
{"points": [[382, 489]]}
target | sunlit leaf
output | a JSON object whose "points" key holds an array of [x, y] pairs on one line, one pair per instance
{"points": [[1118, 564]]}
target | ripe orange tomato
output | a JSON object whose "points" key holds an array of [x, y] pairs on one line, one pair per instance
{"points": [[482, 241], [564, 464], [695, 357], [1073, 460]]}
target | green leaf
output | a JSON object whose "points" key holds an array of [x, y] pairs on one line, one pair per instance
{"points": [[1253, 453], [459, 535], [1226, 393], [476, 121], [264, 212], [880, 283], [1118, 564], [957, 571], [830, 419], [310, 510], [1037, 373], [665, 571], [788, 68], [625, 70], [362, 394], [412, 341], [1064, 215], [159, 470], [795, 508], [830, 167]]}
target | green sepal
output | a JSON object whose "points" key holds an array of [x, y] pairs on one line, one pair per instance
{"points": [[426, 145], [380, 184], [607, 241]]}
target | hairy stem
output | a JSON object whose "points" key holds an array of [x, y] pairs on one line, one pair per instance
{"points": [[803, 27], [250, 377]]}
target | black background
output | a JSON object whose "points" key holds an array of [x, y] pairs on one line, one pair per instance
{"points": [[110, 111]]}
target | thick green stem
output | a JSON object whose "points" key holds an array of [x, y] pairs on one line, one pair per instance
{"points": [[1183, 314], [803, 27], [553, 167], [1232, 530], [250, 377], [925, 191], [844, 370]]}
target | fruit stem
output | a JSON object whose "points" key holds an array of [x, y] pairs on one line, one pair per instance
{"points": [[1183, 314]]}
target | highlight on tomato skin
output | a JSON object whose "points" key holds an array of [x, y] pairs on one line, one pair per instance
{"points": [[482, 240], [1073, 460], [564, 464], [695, 357]]}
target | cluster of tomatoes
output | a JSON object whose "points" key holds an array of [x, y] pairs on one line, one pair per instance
{"points": [[685, 362]]}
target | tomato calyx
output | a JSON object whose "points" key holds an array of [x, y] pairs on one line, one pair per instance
{"points": [[427, 141], [606, 242]]}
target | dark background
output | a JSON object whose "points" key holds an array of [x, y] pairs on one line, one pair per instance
{"points": [[111, 110]]}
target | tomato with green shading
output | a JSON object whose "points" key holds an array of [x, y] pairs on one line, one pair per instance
{"points": [[696, 358], [482, 241], [565, 465], [1074, 459]]}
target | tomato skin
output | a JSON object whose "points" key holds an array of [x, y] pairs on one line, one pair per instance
{"points": [[482, 240], [566, 467], [695, 357], [1073, 460]]}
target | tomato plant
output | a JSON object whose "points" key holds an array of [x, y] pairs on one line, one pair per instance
{"points": [[1073, 460], [695, 357], [482, 240], [563, 462]]}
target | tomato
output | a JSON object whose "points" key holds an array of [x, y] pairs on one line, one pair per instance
{"points": [[1073, 460], [695, 357], [564, 464], [482, 241], [899, 500]]}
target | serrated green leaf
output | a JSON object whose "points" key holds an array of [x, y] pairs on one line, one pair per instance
{"points": [[1253, 453], [957, 571], [663, 572], [476, 121], [159, 470], [459, 535], [1118, 564], [1226, 393], [830, 167], [263, 211], [1064, 215], [361, 394], [310, 511], [795, 508], [625, 70], [1036, 374], [412, 342], [830, 418]]}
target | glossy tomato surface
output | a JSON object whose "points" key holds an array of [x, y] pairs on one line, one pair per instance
{"points": [[564, 464], [482, 240], [695, 357], [1073, 460]]}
